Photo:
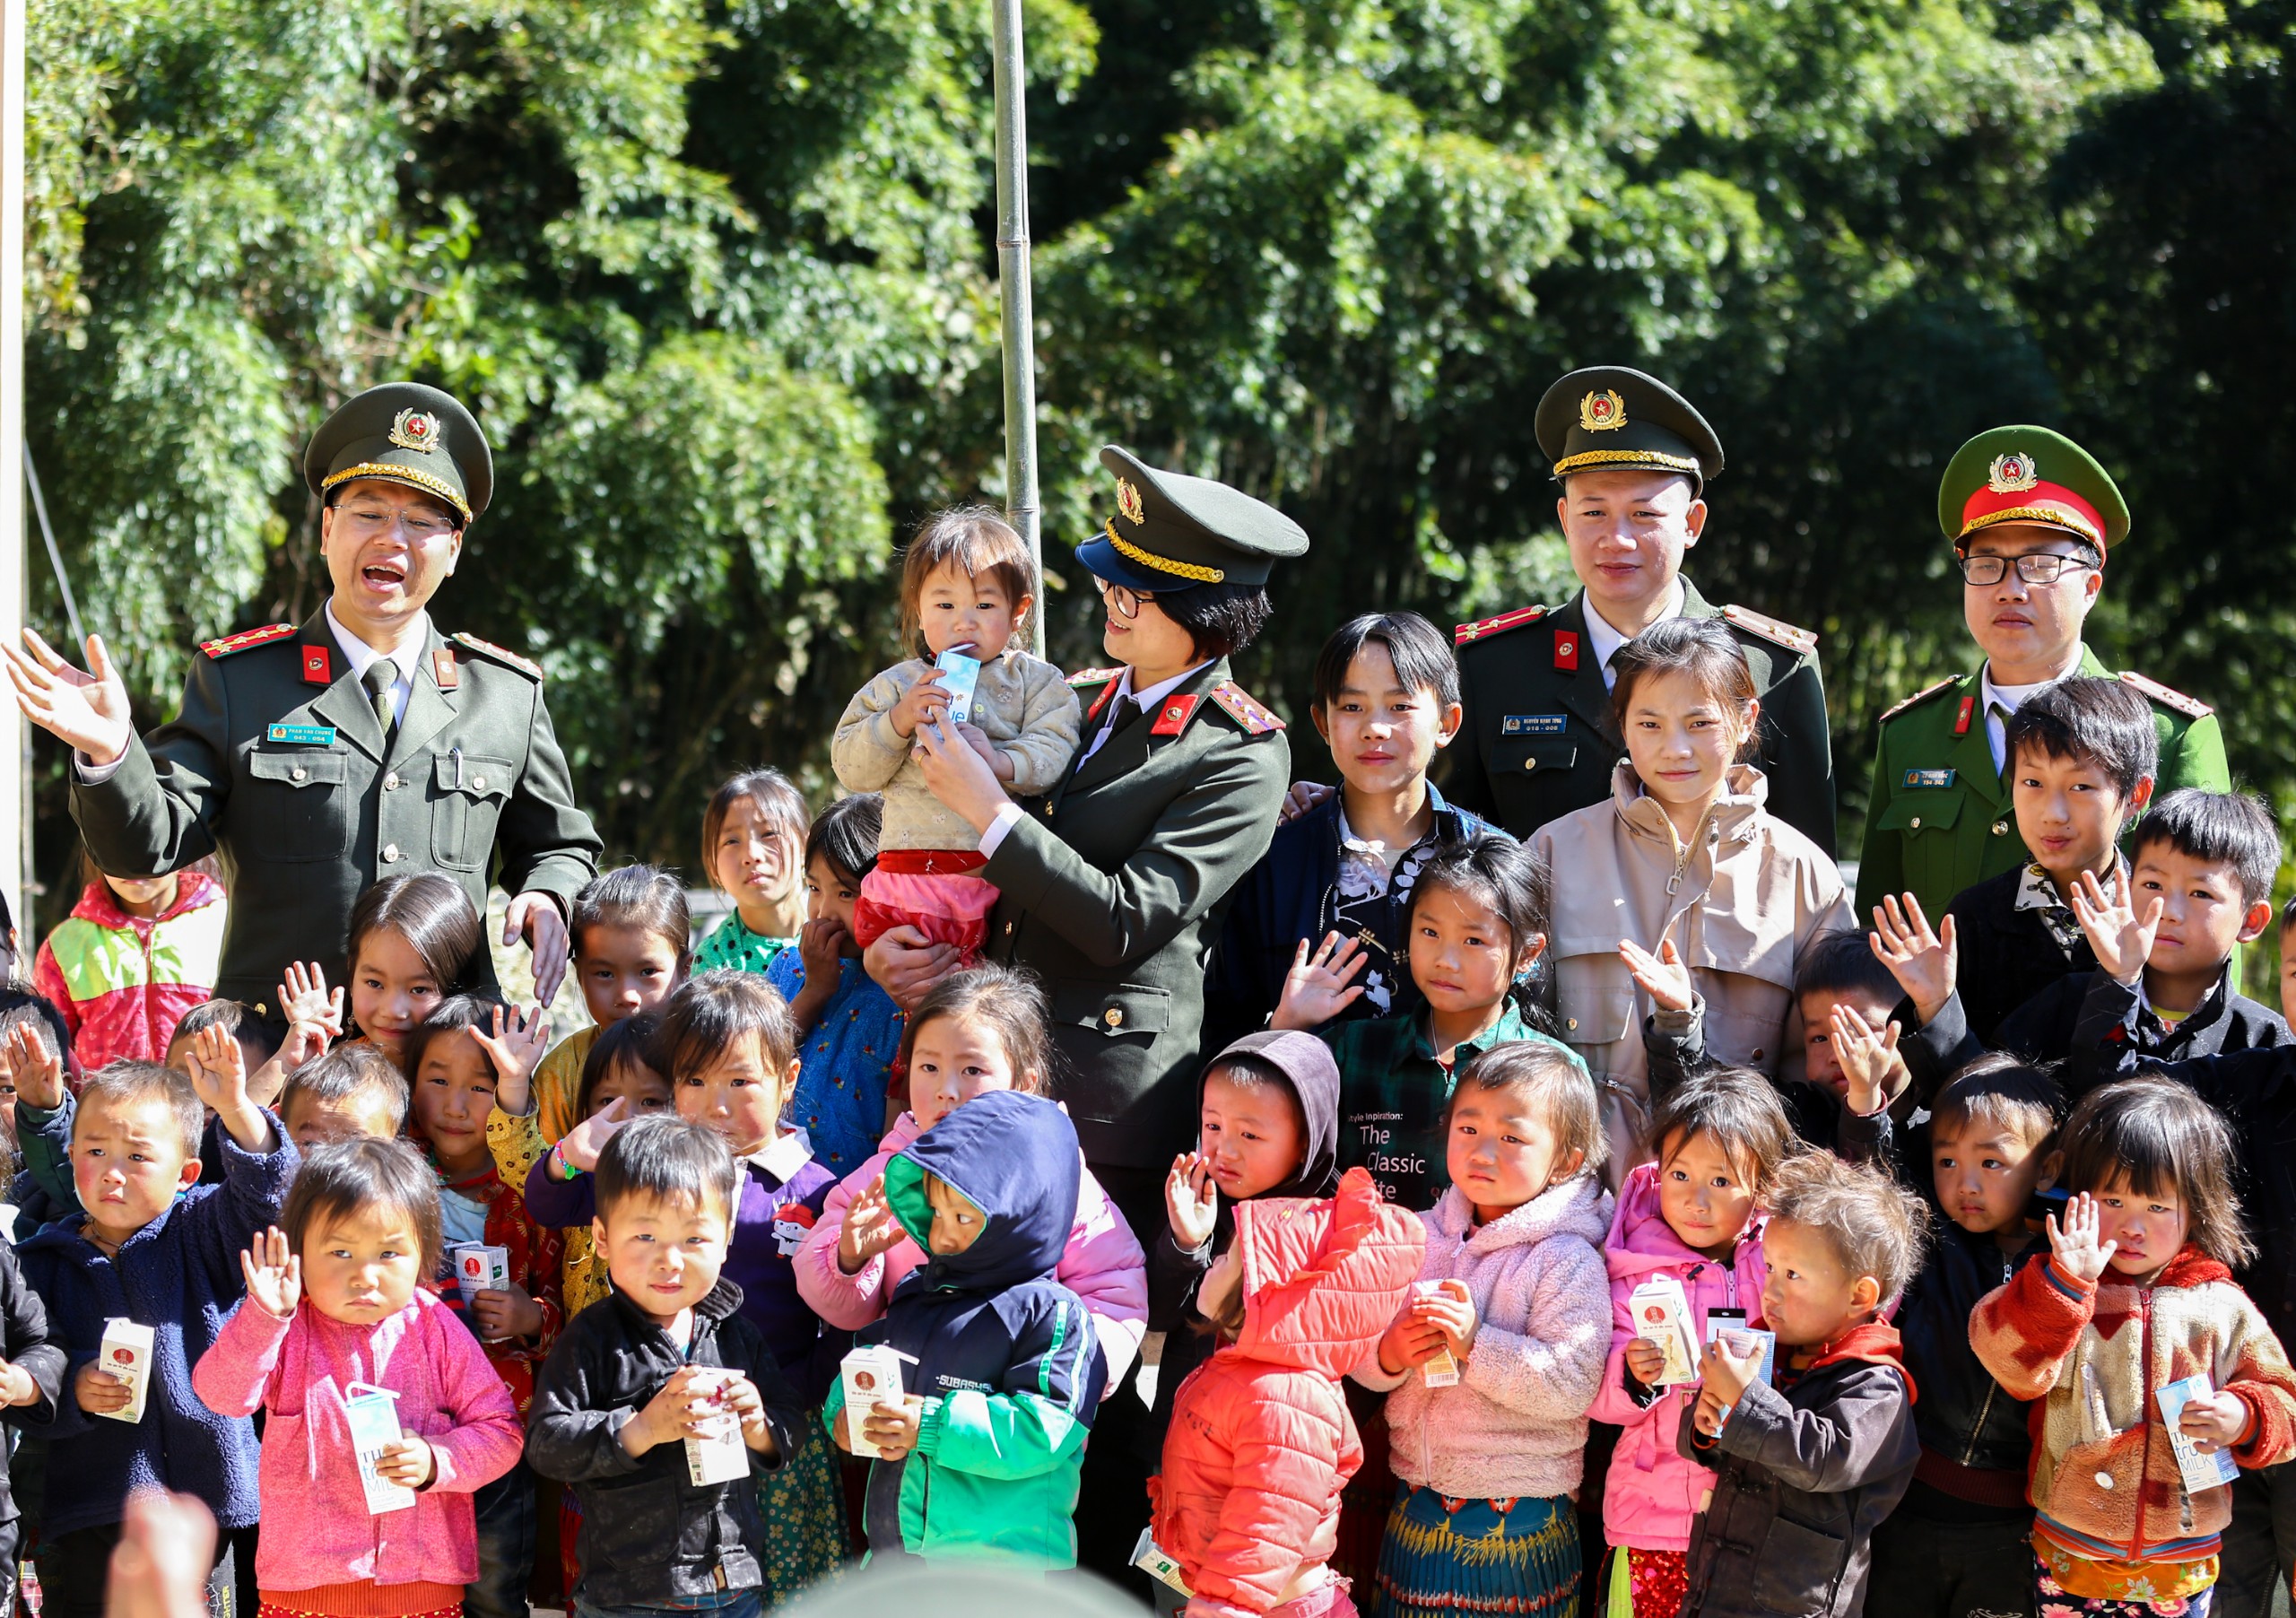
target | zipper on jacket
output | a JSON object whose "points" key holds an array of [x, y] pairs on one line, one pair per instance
{"points": [[2144, 1425], [1977, 1432]]}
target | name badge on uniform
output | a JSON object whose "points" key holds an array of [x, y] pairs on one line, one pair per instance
{"points": [[302, 735], [1534, 725], [1929, 778]]}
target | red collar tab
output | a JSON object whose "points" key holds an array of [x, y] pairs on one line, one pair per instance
{"points": [[445, 672], [1172, 718], [1961, 719], [317, 666], [1566, 649], [1101, 701]]}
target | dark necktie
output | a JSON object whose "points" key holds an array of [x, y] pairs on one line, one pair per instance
{"points": [[381, 674]]}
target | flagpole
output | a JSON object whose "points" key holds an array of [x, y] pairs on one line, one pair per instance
{"points": [[15, 734], [1013, 294]]}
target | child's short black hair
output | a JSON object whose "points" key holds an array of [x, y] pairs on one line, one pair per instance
{"points": [[451, 1016], [1495, 871], [432, 913], [711, 1013], [668, 1158], [259, 1036], [1553, 1086], [1221, 619], [125, 1082], [845, 834], [632, 1039], [1739, 1108], [23, 1005], [1420, 652], [2001, 1090], [2221, 828], [1875, 1226], [352, 1066], [1004, 999], [2154, 1135], [773, 797], [347, 1176], [2101, 723], [1841, 964], [644, 897]]}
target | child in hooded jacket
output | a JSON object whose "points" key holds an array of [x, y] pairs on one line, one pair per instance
{"points": [[1506, 1336], [978, 1459], [1261, 1443], [135, 953], [1693, 1214]]}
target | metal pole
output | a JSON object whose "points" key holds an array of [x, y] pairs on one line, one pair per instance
{"points": [[15, 732], [1012, 294], [54, 552]]}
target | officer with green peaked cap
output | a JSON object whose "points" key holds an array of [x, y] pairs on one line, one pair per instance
{"points": [[320, 758], [1538, 740], [2032, 519]]}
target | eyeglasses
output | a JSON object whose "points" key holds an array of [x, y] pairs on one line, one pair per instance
{"points": [[1122, 599], [2037, 566], [370, 522]]}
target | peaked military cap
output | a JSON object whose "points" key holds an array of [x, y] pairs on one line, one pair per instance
{"points": [[1171, 531], [2029, 474], [1609, 417], [409, 434]]}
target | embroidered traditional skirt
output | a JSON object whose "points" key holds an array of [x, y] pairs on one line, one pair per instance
{"points": [[1445, 1558]]}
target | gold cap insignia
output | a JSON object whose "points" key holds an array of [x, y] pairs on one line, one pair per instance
{"points": [[1128, 500], [2011, 473], [416, 429], [1602, 412]]}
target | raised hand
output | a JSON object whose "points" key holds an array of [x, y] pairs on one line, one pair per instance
{"points": [[1869, 1059], [1923, 962], [88, 712], [2121, 938], [1663, 976], [2078, 1252], [275, 1274], [870, 1229], [1191, 1202], [584, 1141], [219, 1074], [37, 1071], [516, 1049], [1319, 986]]}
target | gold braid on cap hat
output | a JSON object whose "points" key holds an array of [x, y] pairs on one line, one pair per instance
{"points": [[1626, 457], [439, 486], [1164, 564]]}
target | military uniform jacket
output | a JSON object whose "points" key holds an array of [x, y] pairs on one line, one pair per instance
{"points": [[1940, 818], [1114, 885], [277, 763], [1538, 740]]}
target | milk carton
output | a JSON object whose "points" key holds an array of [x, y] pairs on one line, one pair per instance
{"points": [[1660, 1312], [1442, 1370], [372, 1414], [870, 1376], [479, 1268], [2200, 1470], [125, 1352], [1153, 1562], [960, 674], [715, 1454]]}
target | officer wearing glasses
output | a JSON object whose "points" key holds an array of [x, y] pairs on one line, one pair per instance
{"points": [[2031, 517], [362, 745]]}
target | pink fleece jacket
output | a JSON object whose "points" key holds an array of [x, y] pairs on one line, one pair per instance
{"points": [[317, 1529], [1103, 1264], [1653, 1491]]}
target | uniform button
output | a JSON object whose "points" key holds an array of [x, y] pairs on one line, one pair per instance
{"points": [[297, 773], [1571, 1024], [390, 854], [1757, 1056], [2001, 828], [479, 781], [1113, 1017], [1916, 823], [1008, 929], [390, 781], [2104, 1480], [1530, 764]]}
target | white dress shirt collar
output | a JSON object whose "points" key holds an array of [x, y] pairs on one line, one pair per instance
{"points": [[1602, 637], [362, 656]]}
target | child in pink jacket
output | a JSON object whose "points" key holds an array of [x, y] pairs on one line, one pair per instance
{"points": [[980, 1030], [334, 1314], [1693, 1215]]}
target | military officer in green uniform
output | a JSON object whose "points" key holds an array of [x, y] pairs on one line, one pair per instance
{"points": [[2031, 517], [316, 759], [1537, 740]]}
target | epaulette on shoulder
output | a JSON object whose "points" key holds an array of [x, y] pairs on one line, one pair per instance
{"points": [[245, 638], [1466, 634], [2191, 707], [500, 654], [1243, 710], [1094, 677], [1923, 695], [1785, 634]]}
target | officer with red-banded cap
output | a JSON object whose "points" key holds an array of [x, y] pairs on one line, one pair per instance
{"points": [[2031, 517], [320, 758], [1537, 740]]}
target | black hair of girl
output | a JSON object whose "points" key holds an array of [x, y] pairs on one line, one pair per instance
{"points": [[775, 799], [432, 914], [1009, 1002], [2153, 1135], [1739, 1108], [711, 1015], [447, 1019], [1704, 648], [352, 1176], [645, 898], [1552, 1085], [1494, 871], [1221, 619], [845, 833], [974, 540], [632, 1039]]}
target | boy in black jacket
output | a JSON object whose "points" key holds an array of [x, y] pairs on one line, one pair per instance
{"points": [[1959, 1545], [647, 1367]]}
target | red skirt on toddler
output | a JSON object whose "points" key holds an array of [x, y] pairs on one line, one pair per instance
{"points": [[931, 890]]}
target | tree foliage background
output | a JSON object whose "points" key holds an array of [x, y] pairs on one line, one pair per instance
{"points": [[720, 280]]}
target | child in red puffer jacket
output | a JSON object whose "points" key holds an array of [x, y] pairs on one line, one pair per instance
{"points": [[1260, 1442], [135, 954]]}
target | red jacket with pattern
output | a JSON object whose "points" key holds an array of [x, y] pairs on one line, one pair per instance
{"points": [[123, 982], [2092, 1356], [1260, 1442]]}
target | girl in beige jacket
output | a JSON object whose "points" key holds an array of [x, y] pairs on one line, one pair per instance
{"points": [[1682, 895]]}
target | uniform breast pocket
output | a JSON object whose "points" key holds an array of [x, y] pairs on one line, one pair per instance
{"points": [[1526, 772], [1924, 819], [466, 798], [296, 805], [1107, 1032]]}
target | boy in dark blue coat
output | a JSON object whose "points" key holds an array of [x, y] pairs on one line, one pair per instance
{"points": [[1001, 1372]]}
